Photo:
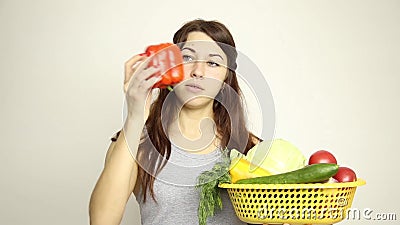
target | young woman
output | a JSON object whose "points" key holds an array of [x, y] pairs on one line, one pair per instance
{"points": [[166, 143]]}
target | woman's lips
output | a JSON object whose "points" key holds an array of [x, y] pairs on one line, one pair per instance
{"points": [[194, 88]]}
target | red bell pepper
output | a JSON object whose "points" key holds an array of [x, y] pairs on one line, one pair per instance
{"points": [[168, 58]]}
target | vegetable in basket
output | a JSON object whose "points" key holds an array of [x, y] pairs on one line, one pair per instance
{"points": [[322, 156], [308, 174], [276, 156], [345, 174], [240, 169]]}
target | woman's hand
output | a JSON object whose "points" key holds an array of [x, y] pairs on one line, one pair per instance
{"points": [[138, 83]]}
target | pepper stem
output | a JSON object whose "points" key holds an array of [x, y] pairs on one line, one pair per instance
{"points": [[170, 88]]}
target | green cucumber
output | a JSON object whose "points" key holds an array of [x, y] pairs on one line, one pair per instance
{"points": [[308, 174]]}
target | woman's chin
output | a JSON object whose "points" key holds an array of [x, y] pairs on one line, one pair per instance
{"points": [[197, 102]]}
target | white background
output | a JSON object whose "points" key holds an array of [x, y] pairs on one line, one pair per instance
{"points": [[332, 66]]}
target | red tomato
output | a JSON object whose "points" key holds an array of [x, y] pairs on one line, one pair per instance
{"points": [[322, 156], [345, 174]]}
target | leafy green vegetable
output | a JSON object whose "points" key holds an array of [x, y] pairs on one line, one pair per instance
{"points": [[207, 182]]}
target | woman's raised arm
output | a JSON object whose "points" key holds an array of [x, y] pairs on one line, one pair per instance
{"points": [[118, 178]]}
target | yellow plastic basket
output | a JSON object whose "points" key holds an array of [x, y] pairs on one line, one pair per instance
{"points": [[317, 203]]}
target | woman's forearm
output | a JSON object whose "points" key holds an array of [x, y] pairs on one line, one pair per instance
{"points": [[118, 178]]}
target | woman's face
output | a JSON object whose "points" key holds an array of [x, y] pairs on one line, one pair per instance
{"points": [[204, 70]]}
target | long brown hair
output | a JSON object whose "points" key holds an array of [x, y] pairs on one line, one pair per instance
{"points": [[155, 148]]}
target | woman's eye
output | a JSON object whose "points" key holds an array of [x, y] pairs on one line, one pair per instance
{"points": [[212, 64], [187, 58]]}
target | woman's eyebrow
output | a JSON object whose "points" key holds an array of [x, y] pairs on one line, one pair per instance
{"points": [[216, 55], [210, 55], [187, 48]]}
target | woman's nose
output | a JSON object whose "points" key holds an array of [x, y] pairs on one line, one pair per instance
{"points": [[198, 70]]}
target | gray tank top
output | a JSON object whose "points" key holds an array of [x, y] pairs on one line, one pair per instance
{"points": [[176, 195]]}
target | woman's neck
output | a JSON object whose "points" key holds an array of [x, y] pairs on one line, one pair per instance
{"points": [[194, 129], [192, 121]]}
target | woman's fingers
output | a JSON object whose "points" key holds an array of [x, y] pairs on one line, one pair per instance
{"points": [[149, 83], [143, 80], [131, 65], [136, 68], [147, 73]]}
